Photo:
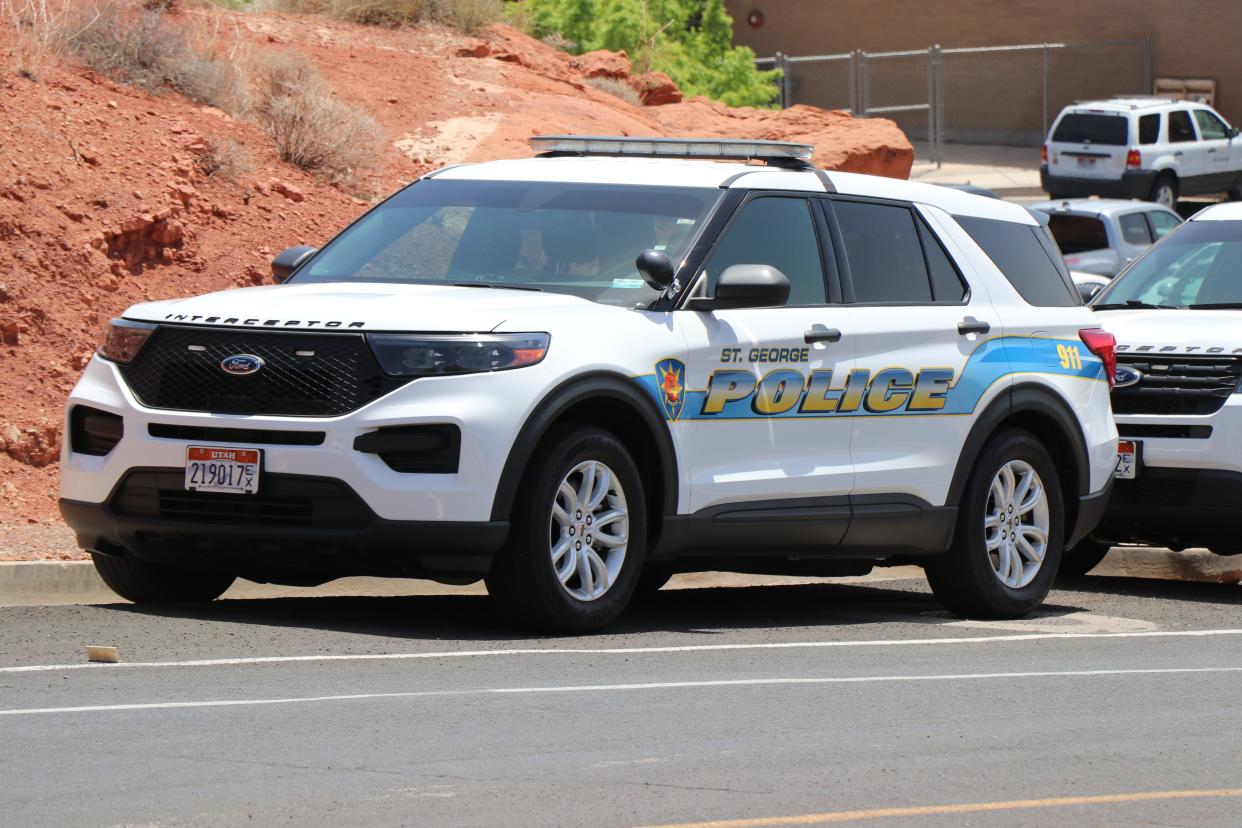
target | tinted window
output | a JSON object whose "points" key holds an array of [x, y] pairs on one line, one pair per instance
{"points": [[885, 254], [947, 285], [1200, 264], [1180, 129], [1080, 128], [778, 232], [573, 238], [1077, 234], [1134, 229], [1024, 259], [1149, 128], [1211, 128], [1162, 223]]}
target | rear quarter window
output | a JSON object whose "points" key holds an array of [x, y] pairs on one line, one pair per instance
{"points": [[1025, 256], [1084, 128]]}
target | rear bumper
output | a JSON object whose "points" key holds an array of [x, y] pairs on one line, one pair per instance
{"points": [[1179, 508], [1132, 184], [448, 550]]}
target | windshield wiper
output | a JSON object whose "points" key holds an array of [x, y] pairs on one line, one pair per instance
{"points": [[494, 285], [1134, 303], [1216, 306]]}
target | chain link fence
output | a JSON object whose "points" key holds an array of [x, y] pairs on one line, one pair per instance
{"points": [[1005, 95]]}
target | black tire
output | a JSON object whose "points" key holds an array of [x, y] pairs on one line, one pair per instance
{"points": [[964, 579], [523, 581], [1081, 558], [148, 583], [1163, 181]]}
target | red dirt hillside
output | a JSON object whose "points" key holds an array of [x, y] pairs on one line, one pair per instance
{"points": [[104, 200]]}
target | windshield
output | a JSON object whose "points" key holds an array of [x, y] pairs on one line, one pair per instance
{"points": [[580, 239], [1092, 129], [1199, 265]]}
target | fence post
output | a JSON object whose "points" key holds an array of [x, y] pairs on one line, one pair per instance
{"points": [[864, 84], [937, 102], [1044, 122], [852, 73], [1147, 78]]}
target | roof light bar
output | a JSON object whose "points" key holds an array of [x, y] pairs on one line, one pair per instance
{"points": [[780, 153]]}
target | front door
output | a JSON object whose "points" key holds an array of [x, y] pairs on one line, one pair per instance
{"points": [[1220, 151], [753, 426]]}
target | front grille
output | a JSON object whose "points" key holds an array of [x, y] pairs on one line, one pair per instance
{"points": [[1177, 384], [304, 374], [283, 501], [261, 436]]}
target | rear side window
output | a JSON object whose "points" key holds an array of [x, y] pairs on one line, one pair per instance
{"points": [[1180, 130], [1134, 229], [1082, 128], [1077, 234], [1149, 128], [1024, 258], [885, 255], [946, 281]]}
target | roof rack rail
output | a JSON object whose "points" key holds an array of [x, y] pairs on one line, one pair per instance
{"points": [[781, 154]]}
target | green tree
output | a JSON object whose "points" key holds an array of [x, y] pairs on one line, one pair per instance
{"points": [[690, 40]]}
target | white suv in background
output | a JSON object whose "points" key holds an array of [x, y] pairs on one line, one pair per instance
{"points": [[576, 374], [1148, 148]]}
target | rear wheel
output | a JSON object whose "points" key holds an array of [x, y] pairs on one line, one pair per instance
{"points": [[1082, 557], [148, 583], [1164, 191], [1009, 534], [579, 536]]}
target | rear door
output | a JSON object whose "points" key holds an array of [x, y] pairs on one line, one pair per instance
{"points": [[917, 326], [1089, 144]]}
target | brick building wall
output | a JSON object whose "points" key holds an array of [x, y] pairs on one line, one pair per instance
{"points": [[1190, 38]]}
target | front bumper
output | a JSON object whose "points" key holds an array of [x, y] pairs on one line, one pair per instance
{"points": [[1132, 184], [443, 550]]}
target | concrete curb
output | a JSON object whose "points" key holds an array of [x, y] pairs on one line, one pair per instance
{"points": [[48, 583]]}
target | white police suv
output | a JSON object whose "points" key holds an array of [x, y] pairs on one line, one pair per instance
{"points": [[1177, 313], [576, 374]]}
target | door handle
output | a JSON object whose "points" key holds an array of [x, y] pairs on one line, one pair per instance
{"points": [[1177, 155], [970, 325], [818, 334], [1212, 149]]}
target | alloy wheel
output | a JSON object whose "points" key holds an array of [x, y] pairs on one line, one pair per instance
{"points": [[1016, 523], [588, 530]]}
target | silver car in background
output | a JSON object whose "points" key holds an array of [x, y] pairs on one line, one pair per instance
{"points": [[1101, 236]]}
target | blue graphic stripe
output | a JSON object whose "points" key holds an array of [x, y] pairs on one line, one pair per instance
{"points": [[990, 362]]}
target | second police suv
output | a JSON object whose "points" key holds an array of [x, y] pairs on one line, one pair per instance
{"points": [[803, 372]]}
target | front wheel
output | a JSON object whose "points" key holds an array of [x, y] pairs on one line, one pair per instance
{"points": [[148, 583], [579, 536], [1010, 531]]}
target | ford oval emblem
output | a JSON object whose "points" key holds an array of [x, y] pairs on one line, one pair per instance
{"points": [[1124, 376], [239, 365]]}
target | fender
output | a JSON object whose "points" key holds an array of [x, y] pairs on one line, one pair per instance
{"points": [[1022, 398], [593, 386]]}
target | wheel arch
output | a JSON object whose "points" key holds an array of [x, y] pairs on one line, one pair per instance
{"points": [[1042, 411], [610, 401]]}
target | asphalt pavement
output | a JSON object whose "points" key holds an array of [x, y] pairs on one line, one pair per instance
{"points": [[764, 705]]}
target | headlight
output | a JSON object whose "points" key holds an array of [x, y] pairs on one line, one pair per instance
{"points": [[122, 339], [418, 355]]}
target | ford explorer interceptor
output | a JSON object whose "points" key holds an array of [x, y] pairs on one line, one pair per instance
{"points": [[1177, 313], [576, 374]]}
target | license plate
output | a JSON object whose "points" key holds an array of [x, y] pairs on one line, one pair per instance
{"points": [[1086, 163], [1127, 460], [213, 469]]}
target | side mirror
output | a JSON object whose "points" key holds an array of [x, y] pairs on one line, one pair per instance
{"points": [[1088, 291], [1234, 132], [751, 286], [656, 268], [289, 260]]}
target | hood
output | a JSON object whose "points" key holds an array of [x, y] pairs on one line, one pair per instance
{"points": [[365, 306], [1152, 330]]}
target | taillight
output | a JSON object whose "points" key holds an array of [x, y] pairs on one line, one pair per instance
{"points": [[1134, 160], [1104, 345], [1043, 154]]}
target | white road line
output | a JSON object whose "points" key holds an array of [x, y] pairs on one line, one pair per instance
{"points": [[596, 688], [686, 648]]}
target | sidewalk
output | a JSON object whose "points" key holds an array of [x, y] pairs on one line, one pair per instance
{"points": [[1010, 172]]}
